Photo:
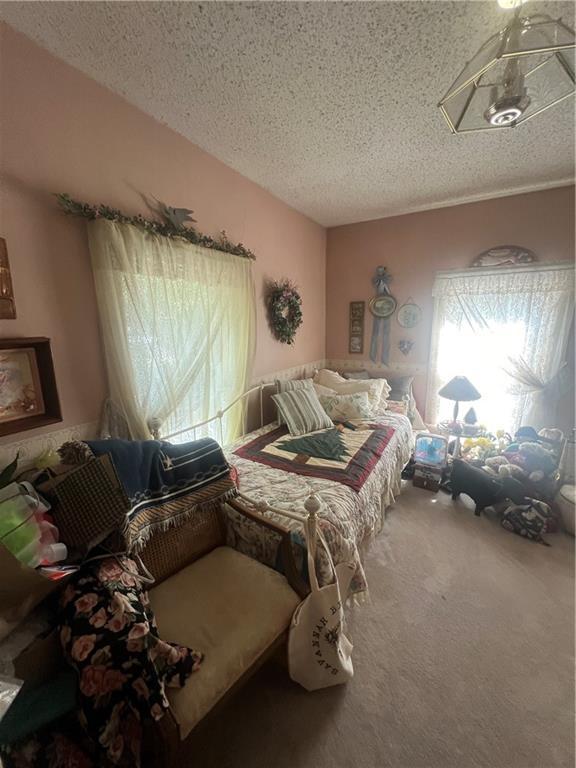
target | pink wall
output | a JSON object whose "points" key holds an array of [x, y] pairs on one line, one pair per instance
{"points": [[414, 247], [61, 131]]}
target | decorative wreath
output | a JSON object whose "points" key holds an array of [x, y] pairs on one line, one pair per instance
{"points": [[285, 310]]}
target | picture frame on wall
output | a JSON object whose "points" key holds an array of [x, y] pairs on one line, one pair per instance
{"points": [[7, 304], [356, 332], [28, 392]]}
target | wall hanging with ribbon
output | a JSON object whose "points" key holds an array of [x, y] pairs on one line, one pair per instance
{"points": [[382, 306]]}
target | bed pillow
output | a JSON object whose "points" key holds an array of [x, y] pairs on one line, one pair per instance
{"points": [[398, 406], [302, 412], [347, 407], [402, 390], [328, 378], [321, 390], [363, 375], [372, 388], [290, 385], [352, 375], [376, 390], [401, 387]]}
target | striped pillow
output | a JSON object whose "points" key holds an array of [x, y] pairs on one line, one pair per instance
{"points": [[302, 411], [288, 385]]}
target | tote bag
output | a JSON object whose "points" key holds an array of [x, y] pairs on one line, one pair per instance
{"points": [[319, 653]]}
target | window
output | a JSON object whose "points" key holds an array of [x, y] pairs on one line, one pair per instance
{"points": [[505, 330], [178, 328]]}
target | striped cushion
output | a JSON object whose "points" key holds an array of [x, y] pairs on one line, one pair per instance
{"points": [[288, 385], [302, 411]]}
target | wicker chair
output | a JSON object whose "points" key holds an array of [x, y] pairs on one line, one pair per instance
{"points": [[219, 601]]}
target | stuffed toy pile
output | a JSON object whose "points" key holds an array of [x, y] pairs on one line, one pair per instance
{"points": [[527, 458], [526, 468]]}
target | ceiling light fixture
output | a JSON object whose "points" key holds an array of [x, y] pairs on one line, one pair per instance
{"points": [[521, 71]]}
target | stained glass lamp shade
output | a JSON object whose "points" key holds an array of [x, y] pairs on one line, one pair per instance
{"points": [[521, 71]]}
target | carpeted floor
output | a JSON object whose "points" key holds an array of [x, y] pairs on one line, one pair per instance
{"points": [[463, 656]]}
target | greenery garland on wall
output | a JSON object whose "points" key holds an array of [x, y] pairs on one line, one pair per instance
{"points": [[284, 310], [172, 226]]}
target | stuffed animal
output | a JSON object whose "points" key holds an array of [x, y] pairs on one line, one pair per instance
{"points": [[551, 435], [512, 470], [536, 457], [496, 461]]}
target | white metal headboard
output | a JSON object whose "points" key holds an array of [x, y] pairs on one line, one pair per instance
{"points": [[313, 503], [220, 414]]}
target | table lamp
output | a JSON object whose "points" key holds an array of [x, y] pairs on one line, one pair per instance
{"points": [[460, 390]]}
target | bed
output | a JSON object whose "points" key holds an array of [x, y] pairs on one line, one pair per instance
{"points": [[354, 471]]}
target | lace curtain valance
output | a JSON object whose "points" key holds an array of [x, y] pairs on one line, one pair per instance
{"points": [[475, 282]]}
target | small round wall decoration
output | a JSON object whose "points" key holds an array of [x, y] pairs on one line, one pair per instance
{"points": [[284, 310], [409, 314]]}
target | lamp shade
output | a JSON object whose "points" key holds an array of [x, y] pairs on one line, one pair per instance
{"points": [[459, 389]]}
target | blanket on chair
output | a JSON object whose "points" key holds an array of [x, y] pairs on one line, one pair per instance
{"points": [[165, 483]]}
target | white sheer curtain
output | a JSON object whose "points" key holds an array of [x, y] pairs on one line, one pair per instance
{"points": [[178, 326], [506, 330]]}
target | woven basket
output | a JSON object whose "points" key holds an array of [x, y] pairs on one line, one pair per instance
{"points": [[169, 551]]}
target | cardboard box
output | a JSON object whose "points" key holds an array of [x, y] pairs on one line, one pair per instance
{"points": [[21, 589]]}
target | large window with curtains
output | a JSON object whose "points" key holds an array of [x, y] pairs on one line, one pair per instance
{"points": [[178, 330], [507, 331]]}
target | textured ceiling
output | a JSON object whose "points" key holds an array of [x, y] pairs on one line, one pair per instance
{"points": [[330, 106]]}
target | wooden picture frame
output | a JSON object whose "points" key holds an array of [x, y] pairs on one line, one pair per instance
{"points": [[28, 393], [7, 304], [356, 329]]}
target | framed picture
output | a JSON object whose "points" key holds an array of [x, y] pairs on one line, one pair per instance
{"points": [[7, 305], [383, 306], [356, 337], [28, 394]]}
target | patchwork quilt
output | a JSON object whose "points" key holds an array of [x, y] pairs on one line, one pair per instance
{"points": [[346, 454], [355, 474]]}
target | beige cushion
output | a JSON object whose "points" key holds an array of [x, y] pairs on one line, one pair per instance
{"points": [[328, 378], [377, 389], [322, 391], [231, 608]]}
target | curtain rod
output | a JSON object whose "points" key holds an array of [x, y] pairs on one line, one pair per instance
{"points": [[539, 267]]}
